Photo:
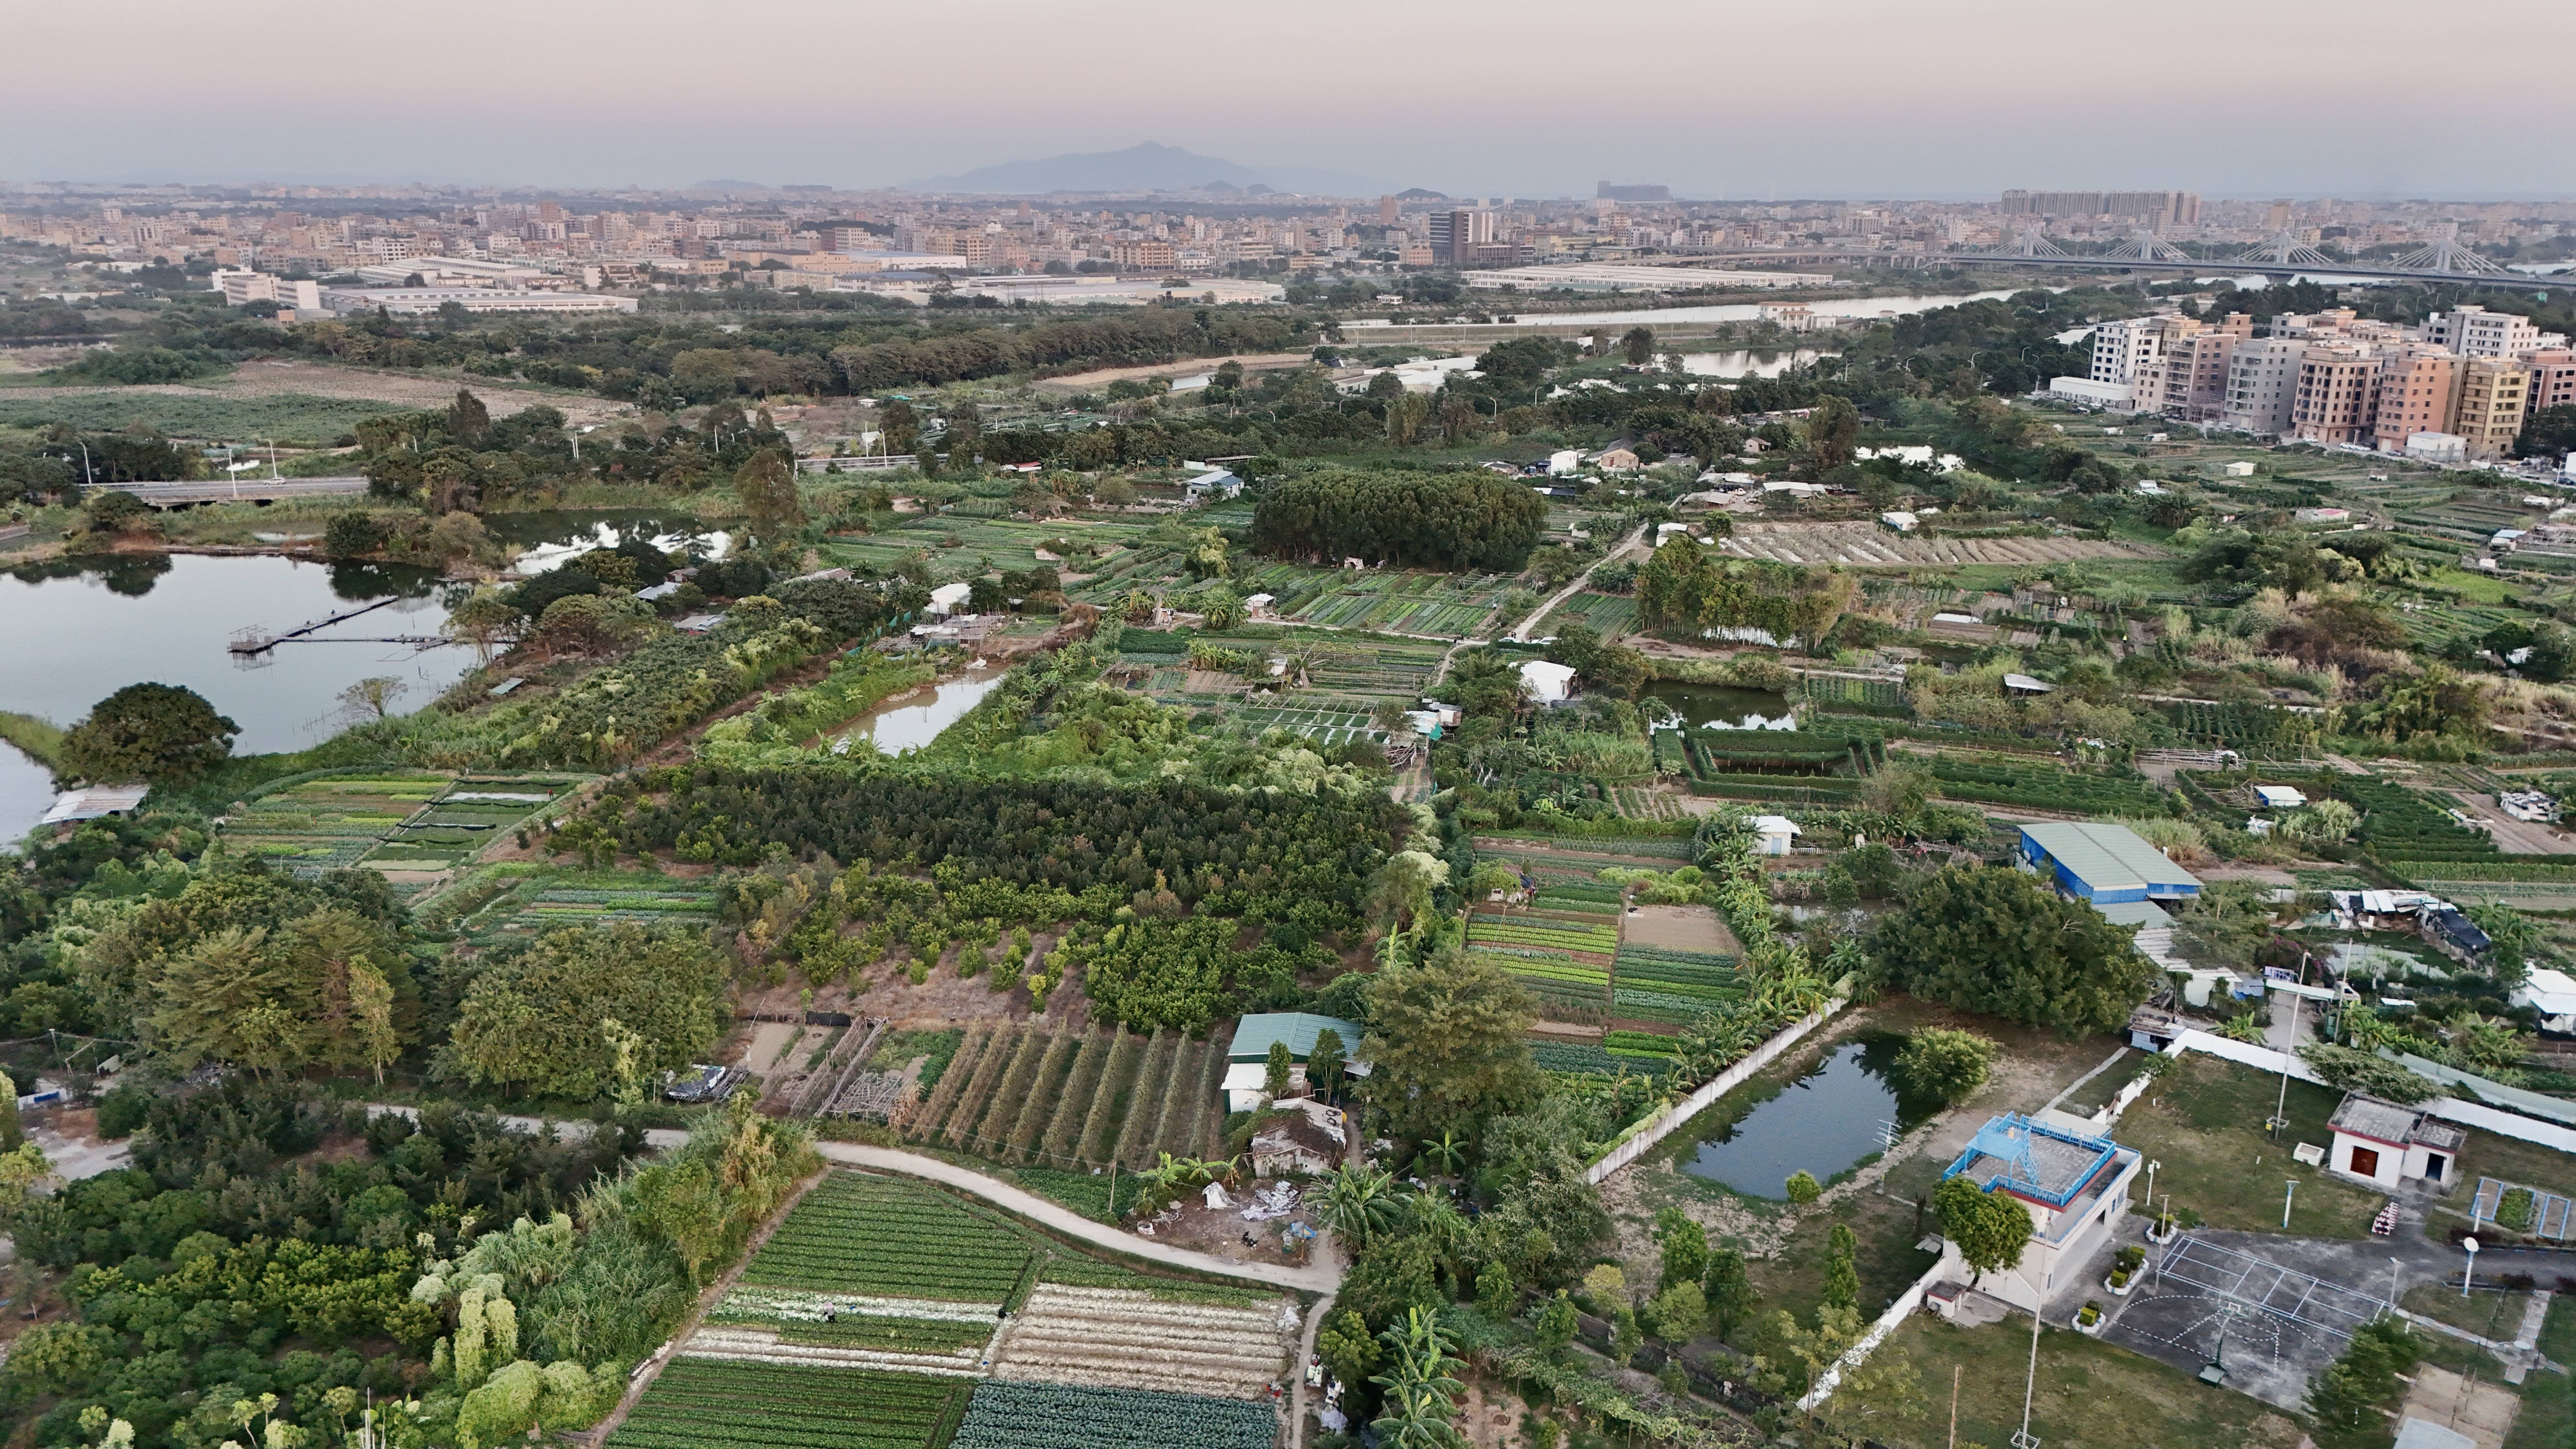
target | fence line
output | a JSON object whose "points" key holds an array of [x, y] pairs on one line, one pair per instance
{"points": [[1655, 1129], [2453, 1109], [1897, 1312]]}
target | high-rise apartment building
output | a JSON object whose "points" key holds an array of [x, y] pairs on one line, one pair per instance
{"points": [[2418, 387], [2337, 396], [2262, 384], [2129, 348], [2489, 415], [1455, 235], [2553, 379], [2155, 208], [2473, 331]]}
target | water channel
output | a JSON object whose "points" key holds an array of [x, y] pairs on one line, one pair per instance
{"points": [[1824, 1123], [1721, 707]]}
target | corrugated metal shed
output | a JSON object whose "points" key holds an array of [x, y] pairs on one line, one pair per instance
{"points": [[2104, 863], [1254, 1034]]}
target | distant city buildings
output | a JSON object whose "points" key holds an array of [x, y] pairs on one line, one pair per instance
{"points": [[2458, 388]]}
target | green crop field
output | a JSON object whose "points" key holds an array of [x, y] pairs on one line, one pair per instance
{"points": [[856, 1234], [711, 1404]]}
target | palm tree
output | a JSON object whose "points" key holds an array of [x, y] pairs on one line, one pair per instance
{"points": [[1360, 1203], [1449, 1154]]}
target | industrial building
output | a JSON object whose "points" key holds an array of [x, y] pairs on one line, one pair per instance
{"points": [[425, 301], [2104, 863]]}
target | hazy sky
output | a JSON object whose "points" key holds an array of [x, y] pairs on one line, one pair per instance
{"points": [[1792, 97]]}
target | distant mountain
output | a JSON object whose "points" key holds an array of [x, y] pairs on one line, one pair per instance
{"points": [[1148, 166]]}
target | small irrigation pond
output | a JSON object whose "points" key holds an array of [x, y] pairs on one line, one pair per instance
{"points": [[911, 722], [1720, 707], [1826, 1121]]}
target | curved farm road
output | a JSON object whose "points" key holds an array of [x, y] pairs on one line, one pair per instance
{"points": [[1324, 1275]]}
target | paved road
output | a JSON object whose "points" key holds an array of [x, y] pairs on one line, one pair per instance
{"points": [[1323, 1275], [659, 1137], [161, 495]]}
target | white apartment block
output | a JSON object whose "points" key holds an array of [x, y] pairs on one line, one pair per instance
{"points": [[2124, 349], [2473, 331], [243, 286]]}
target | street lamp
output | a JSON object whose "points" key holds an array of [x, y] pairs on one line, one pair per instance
{"points": [[2286, 1199], [2472, 1270], [2030, 1382], [2393, 1268]]}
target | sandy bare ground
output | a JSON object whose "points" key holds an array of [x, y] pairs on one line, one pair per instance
{"points": [[1679, 928], [403, 389], [2482, 1411], [1252, 362], [1866, 545]]}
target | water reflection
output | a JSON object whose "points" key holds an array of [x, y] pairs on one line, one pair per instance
{"points": [[1823, 1123], [911, 725], [1718, 707]]}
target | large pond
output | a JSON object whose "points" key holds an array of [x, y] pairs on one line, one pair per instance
{"points": [[1719, 707], [78, 630], [1824, 1123], [74, 631], [1748, 362], [915, 722]]}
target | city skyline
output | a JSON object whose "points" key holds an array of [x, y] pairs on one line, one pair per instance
{"points": [[1480, 102]]}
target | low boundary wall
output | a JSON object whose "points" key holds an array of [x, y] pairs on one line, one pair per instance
{"points": [[1656, 1128]]}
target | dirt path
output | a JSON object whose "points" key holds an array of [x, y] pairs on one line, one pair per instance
{"points": [[1073, 382], [714, 1294], [1323, 1275], [1576, 585]]}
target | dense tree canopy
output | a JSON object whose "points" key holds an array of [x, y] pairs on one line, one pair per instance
{"points": [[165, 733], [1461, 520], [1998, 941], [589, 1012]]}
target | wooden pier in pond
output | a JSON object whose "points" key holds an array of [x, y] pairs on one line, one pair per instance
{"points": [[255, 640]]}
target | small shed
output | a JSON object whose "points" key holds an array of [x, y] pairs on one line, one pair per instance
{"points": [[2553, 995], [1260, 606], [1899, 520], [2280, 797], [1773, 834], [1248, 1056], [2025, 684], [93, 802], [1546, 682], [948, 599], [1616, 460], [2383, 1143]]}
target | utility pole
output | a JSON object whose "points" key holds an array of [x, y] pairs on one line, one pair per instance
{"points": [[2287, 1199]]}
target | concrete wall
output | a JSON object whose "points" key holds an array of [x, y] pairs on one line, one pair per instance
{"points": [[1655, 1129]]}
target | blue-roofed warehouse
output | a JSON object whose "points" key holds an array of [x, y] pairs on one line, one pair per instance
{"points": [[2106, 864]]}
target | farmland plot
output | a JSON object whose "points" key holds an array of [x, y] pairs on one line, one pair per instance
{"points": [[1121, 1338], [1048, 1416], [711, 1404], [879, 1236]]}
